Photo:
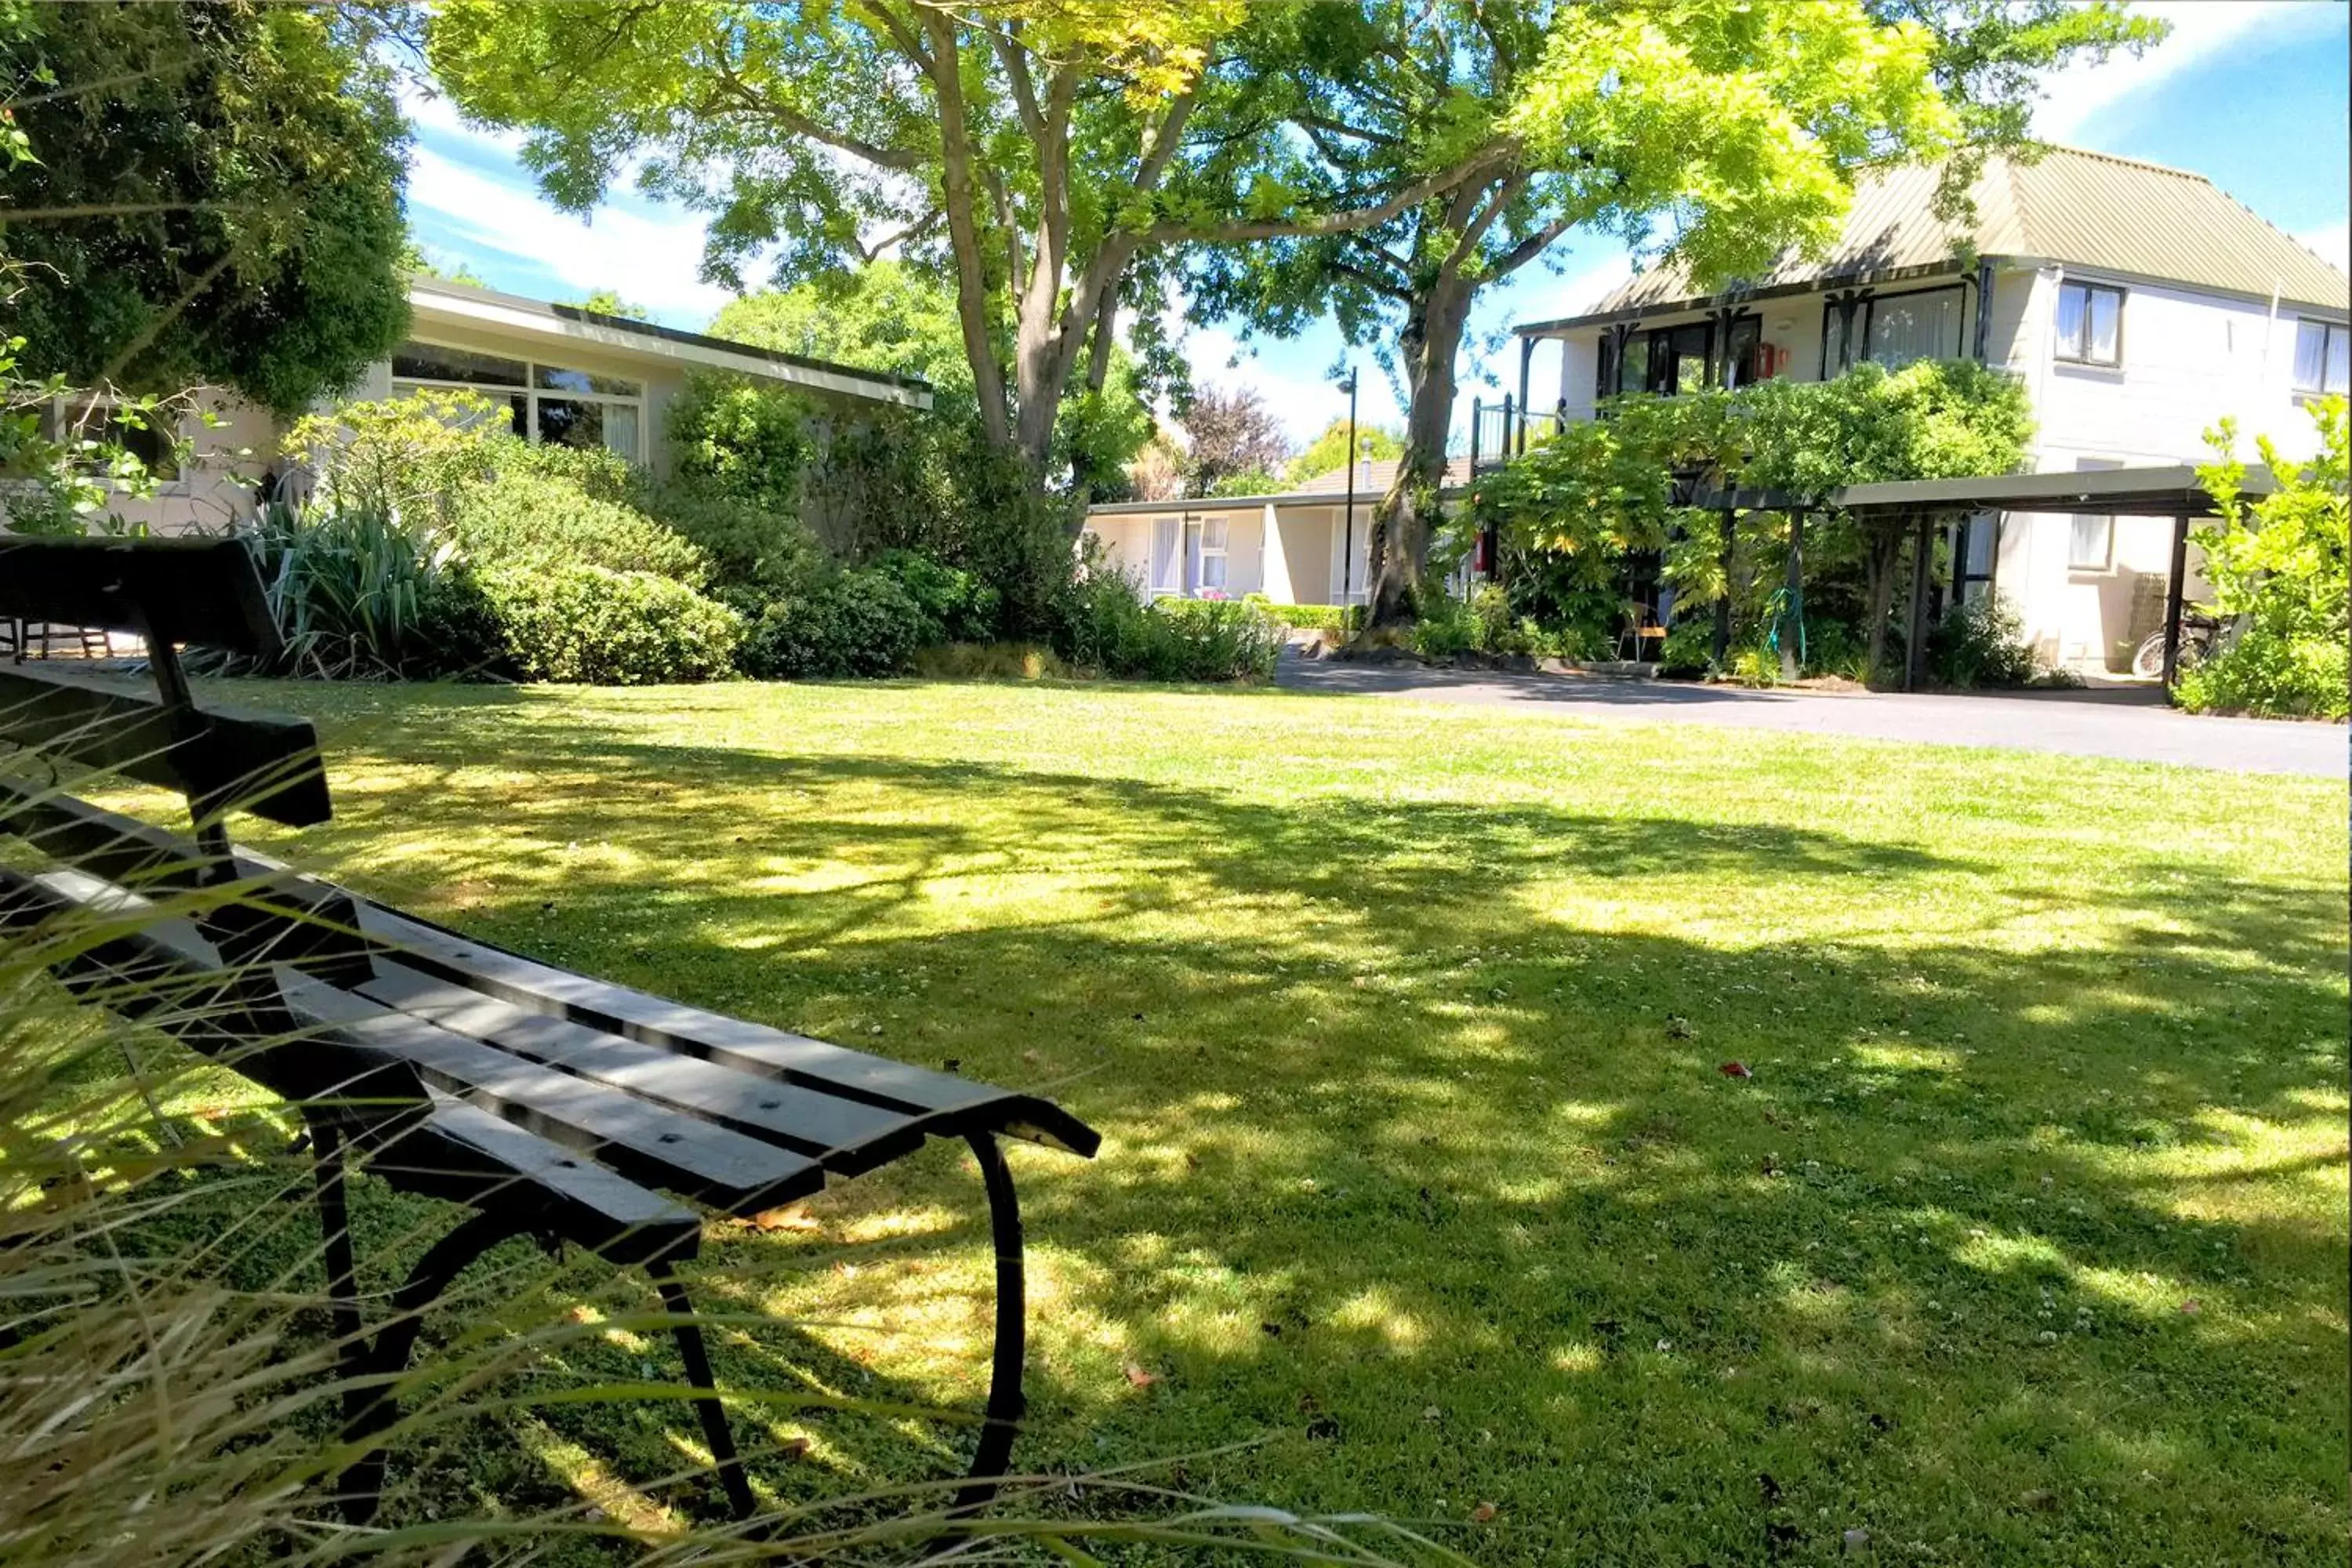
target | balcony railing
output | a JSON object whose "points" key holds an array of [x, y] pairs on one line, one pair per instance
{"points": [[1501, 431]]}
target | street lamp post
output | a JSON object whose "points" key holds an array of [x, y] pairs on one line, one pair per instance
{"points": [[1347, 522]]}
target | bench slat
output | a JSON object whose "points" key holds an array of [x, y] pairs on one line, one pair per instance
{"points": [[466, 1155], [846, 1136], [751, 1048], [247, 762], [204, 591], [644, 1141]]}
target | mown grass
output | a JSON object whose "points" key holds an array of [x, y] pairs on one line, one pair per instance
{"points": [[1423, 1191]]}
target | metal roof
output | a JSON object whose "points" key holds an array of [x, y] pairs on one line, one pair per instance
{"points": [[2166, 491], [437, 296], [2069, 206]]}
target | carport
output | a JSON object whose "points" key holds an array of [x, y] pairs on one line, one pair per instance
{"points": [[2172, 491]]}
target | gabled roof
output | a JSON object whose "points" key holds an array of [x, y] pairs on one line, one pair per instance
{"points": [[435, 298], [2072, 207]]}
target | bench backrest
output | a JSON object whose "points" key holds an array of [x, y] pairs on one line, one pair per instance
{"points": [[166, 590]]}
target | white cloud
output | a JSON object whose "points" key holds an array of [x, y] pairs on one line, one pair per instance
{"points": [[2332, 243], [2200, 28], [652, 261]]}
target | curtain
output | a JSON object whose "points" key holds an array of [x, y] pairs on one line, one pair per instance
{"points": [[1911, 327]]}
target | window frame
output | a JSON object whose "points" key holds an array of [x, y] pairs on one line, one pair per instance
{"points": [[1220, 552], [2058, 346], [2329, 331], [530, 391], [1861, 325]]}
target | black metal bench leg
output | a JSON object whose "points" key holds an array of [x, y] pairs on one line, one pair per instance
{"points": [[1005, 1404], [696, 1356], [335, 1240], [371, 1406]]}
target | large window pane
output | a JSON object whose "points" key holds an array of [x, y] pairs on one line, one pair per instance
{"points": [[1635, 374], [2340, 360], [2107, 322], [1908, 327], [2071, 312], [2088, 548], [621, 431], [430, 362], [554, 378], [1164, 576], [565, 423], [1833, 350]]}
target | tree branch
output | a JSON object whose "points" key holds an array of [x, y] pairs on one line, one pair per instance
{"points": [[1534, 245], [750, 100], [1319, 224]]}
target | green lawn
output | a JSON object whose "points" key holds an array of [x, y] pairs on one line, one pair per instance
{"points": [[2025, 1243]]}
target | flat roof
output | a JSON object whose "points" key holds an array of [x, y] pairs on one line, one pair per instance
{"points": [[1246, 503], [538, 318], [2166, 491]]}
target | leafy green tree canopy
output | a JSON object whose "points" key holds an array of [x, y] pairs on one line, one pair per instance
{"points": [[213, 195], [1330, 450]]}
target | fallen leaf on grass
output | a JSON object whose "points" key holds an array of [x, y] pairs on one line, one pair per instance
{"points": [[1484, 1512], [1138, 1377], [791, 1217], [1677, 1026], [1735, 1069], [2192, 1306], [794, 1448]]}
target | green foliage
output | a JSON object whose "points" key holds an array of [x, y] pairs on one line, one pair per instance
{"points": [[1329, 452], [362, 594], [203, 194], [522, 519], [608, 302], [1309, 618], [63, 481], [749, 546], [1982, 645], [743, 438], [1105, 624], [860, 622], [573, 622], [2277, 566], [401, 456], [956, 606], [1580, 500]]}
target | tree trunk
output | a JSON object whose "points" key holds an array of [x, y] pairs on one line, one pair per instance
{"points": [[961, 199], [1406, 515]]}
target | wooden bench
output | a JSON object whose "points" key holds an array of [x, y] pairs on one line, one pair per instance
{"points": [[553, 1105]]}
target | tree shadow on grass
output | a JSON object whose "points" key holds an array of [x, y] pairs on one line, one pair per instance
{"points": [[1422, 1171]]}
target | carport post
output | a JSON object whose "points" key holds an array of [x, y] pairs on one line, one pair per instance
{"points": [[2172, 590], [1790, 636], [1723, 604]]}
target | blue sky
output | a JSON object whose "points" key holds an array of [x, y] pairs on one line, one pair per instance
{"points": [[2256, 96]]}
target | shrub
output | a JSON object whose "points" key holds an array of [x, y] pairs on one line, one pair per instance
{"points": [[403, 455], [1105, 624], [957, 605], [359, 593], [603, 473], [1982, 644], [578, 622], [522, 518], [729, 435], [851, 624], [1689, 649], [2279, 567], [750, 544], [1309, 618]]}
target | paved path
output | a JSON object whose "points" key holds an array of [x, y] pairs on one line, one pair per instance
{"points": [[2130, 723]]}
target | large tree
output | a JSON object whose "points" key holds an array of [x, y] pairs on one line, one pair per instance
{"points": [[1716, 132], [1234, 436], [212, 194], [1030, 150]]}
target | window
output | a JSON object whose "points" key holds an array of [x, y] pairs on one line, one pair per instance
{"points": [[1892, 330], [1633, 363], [1904, 328], [2091, 540], [1677, 359], [1212, 554], [2323, 357], [1745, 341], [2090, 324], [560, 407], [1166, 577], [152, 437]]}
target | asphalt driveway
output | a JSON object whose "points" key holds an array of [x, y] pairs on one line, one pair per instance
{"points": [[2130, 723]]}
